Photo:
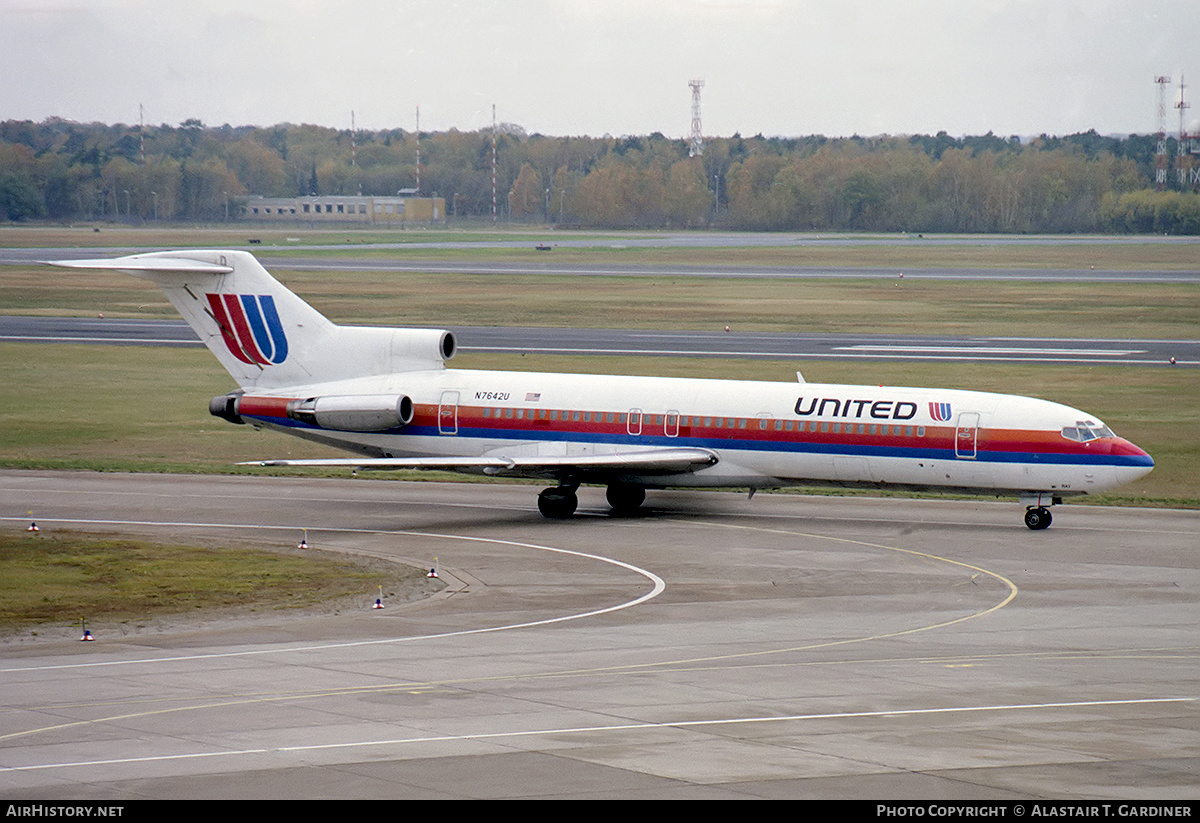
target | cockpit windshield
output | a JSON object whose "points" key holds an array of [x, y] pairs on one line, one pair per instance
{"points": [[1085, 430]]}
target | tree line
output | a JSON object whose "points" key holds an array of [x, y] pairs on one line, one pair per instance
{"points": [[63, 170]]}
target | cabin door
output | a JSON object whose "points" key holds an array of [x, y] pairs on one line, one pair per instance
{"points": [[966, 435], [448, 413], [671, 424], [634, 424]]}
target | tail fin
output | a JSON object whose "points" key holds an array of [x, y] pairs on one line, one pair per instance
{"points": [[264, 335]]}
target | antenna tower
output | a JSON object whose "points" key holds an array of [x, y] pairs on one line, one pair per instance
{"points": [[353, 141], [418, 149], [142, 133], [1160, 153], [696, 147], [1183, 157], [493, 164]]}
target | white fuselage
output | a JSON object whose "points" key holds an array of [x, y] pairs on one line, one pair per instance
{"points": [[765, 434]]}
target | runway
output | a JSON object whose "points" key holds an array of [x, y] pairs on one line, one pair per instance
{"points": [[716, 647], [732, 344], [356, 259]]}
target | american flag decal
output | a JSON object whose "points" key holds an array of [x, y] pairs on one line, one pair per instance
{"points": [[533, 397]]}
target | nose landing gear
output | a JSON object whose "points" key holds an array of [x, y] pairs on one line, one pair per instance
{"points": [[1037, 518], [1037, 514]]}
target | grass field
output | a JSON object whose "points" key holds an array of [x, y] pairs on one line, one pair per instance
{"points": [[64, 577], [883, 305]]}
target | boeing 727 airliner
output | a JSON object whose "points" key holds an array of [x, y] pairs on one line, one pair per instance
{"points": [[387, 395]]}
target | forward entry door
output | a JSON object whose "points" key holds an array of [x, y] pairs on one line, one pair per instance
{"points": [[966, 435]]}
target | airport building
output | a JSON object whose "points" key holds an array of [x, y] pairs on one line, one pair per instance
{"points": [[387, 211]]}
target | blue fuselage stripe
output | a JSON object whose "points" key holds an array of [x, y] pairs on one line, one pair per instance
{"points": [[791, 447]]}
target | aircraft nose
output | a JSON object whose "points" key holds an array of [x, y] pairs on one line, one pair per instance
{"points": [[1133, 461]]}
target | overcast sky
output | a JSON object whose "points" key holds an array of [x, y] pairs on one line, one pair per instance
{"points": [[593, 67]]}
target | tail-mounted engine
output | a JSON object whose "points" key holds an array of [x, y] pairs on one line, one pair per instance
{"points": [[350, 413], [354, 413], [225, 406]]}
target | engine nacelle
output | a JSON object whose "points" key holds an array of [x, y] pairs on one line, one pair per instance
{"points": [[377, 350], [225, 406], [418, 345], [354, 413]]}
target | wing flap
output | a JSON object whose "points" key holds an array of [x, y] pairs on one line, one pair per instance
{"points": [[642, 462]]}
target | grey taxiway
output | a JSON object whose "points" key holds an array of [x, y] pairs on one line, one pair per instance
{"points": [[714, 647]]}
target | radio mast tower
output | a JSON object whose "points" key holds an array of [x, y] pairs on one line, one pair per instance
{"points": [[493, 164], [696, 148], [1183, 157], [1160, 153]]}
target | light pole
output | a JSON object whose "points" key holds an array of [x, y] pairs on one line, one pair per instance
{"points": [[154, 194]]}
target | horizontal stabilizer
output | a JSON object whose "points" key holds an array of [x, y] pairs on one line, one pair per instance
{"points": [[147, 263]]}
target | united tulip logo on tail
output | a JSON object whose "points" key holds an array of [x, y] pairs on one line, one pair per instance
{"points": [[251, 328]]}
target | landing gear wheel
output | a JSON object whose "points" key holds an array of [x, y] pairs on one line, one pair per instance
{"points": [[557, 503], [625, 498], [1037, 518]]}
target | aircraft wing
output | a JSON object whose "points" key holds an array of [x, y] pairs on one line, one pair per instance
{"points": [[635, 463]]}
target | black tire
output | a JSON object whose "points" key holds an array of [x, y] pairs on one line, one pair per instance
{"points": [[1037, 519], [625, 498], [557, 503]]}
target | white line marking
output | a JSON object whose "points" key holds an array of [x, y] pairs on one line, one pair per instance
{"points": [[992, 350], [832, 354], [658, 587], [616, 727], [146, 341]]}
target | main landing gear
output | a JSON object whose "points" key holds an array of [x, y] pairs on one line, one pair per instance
{"points": [[625, 498], [560, 502]]}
